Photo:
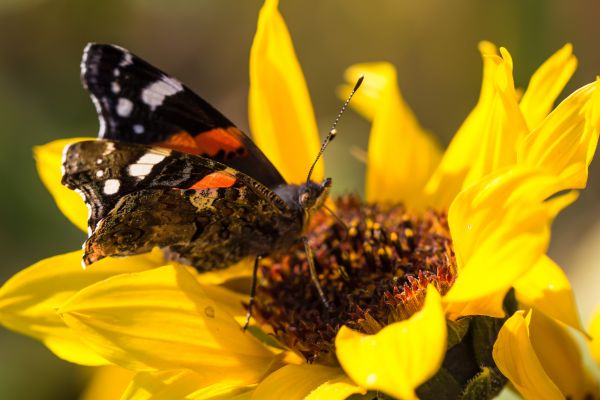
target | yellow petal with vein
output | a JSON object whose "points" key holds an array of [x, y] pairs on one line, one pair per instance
{"points": [[490, 305], [48, 161], [401, 155], [448, 178], [517, 360], [565, 142], [559, 354], [594, 330], [546, 84], [500, 229], [29, 300], [280, 111], [503, 124], [229, 301], [306, 381], [547, 288], [182, 384], [107, 382], [163, 319], [385, 362]]}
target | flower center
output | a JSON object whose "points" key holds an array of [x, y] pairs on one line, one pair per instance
{"points": [[372, 274]]}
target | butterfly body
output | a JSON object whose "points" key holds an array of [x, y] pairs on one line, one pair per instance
{"points": [[170, 171]]}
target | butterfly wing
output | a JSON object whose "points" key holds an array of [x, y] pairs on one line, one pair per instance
{"points": [[208, 228], [104, 171], [138, 103]]}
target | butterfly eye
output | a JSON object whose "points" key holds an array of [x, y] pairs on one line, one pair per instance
{"points": [[304, 199]]}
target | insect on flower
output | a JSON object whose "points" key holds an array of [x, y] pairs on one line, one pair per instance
{"points": [[438, 281], [170, 171]]}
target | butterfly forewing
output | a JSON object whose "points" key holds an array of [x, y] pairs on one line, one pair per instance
{"points": [[138, 103], [103, 171]]}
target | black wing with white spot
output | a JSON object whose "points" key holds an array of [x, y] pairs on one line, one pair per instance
{"points": [[138, 103]]}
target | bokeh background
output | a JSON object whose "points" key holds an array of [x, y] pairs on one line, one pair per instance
{"points": [[206, 44]]}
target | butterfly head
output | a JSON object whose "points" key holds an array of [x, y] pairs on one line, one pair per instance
{"points": [[313, 195]]}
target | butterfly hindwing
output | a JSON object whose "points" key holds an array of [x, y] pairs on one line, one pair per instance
{"points": [[138, 103], [208, 228]]}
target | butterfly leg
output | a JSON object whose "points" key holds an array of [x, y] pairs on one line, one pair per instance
{"points": [[313, 273], [252, 291]]}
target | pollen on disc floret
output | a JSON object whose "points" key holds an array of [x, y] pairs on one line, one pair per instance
{"points": [[373, 272]]}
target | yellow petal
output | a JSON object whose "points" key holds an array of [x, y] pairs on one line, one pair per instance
{"points": [[242, 269], [107, 383], [401, 356], [565, 142], [181, 384], [559, 354], [558, 203], [281, 115], [490, 305], [448, 178], [402, 155], [229, 290], [29, 300], [306, 381], [48, 159], [163, 319], [594, 329], [546, 84], [517, 360], [503, 127], [499, 228], [229, 301], [547, 288]]}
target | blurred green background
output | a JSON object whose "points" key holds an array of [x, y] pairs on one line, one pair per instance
{"points": [[206, 44]]}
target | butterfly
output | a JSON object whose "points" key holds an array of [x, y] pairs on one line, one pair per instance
{"points": [[170, 171]]}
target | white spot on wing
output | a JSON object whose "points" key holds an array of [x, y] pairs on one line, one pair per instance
{"points": [[100, 173], [154, 94], [111, 186], [144, 164], [151, 158], [116, 72], [140, 170], [138, 129], [127, 59], [124, 107], [114, 86]]}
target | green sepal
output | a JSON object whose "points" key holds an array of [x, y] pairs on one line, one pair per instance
{"points": [[457, 331], [484, 386], [484, 331], [442, 386]]}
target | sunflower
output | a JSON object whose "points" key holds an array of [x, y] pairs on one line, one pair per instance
{"points": [[439, 282]]}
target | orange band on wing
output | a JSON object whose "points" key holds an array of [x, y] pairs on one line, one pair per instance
{"points": [[214, 180], [211, 142], [182, 141]]}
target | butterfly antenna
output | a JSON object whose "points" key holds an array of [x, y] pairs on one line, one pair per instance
{"points": [[332, 132]]}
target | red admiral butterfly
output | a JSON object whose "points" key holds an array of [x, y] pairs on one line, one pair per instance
{"points": [[170, 171]]}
